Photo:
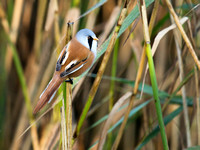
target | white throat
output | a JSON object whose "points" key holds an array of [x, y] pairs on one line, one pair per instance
{"points": [[82, 37]]}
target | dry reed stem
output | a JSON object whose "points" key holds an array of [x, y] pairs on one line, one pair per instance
{"points": [[57, 31], [34, 137], [38, 29], [8, 60], [153, 16], [66, 114], [118, 138], [51, 65], [69, 116], [183, 90], [45, 78], [22, 123], [197, 103], [91, 18], [138, 78], [13, 31], [175, 132], [52, 9], [139, 73], [107, 29], [52, 62], [186, 39], [4, 20], [190, 33], [20, 127], [115, 115], [52, 132], [102, 68], [109, 24], [157, 40], [63, 126], [15, 145], [113, 112], [69, 96], [71, 15], [40, 117]]}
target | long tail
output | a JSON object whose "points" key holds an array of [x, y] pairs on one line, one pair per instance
{"points": [[48, 94]]}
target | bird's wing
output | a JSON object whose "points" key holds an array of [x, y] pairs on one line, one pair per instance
{"points": [[73, 58], [62, 57], [74, 66]]}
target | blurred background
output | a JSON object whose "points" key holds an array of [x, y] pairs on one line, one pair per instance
{"points": [[31, 36]]}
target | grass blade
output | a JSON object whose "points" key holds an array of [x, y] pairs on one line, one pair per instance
{"points": [[133, 112], [93, 8], [156, 130]]}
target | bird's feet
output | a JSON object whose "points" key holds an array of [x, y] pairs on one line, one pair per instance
{"points": [[70, 81]]}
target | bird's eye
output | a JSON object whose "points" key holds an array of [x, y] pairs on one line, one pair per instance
{"points": [[90, 40]]}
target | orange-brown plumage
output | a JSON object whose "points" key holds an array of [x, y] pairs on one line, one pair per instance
{"points": [[75, 58], [48, 92], [83, 53]]}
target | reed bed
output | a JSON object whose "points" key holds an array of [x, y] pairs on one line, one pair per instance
{"points": [[141, 93]]}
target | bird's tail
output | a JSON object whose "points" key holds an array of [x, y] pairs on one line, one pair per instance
{"points": [[48, 94]]}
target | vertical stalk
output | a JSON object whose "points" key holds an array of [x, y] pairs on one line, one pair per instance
{"points": [[112, 86], [38, 30], [113, 74], [184, 35], [102, 68], [69, 115], [183, 90], [153, 76], [138, 77], [197, 101], [25, 93], [63, 126], [155, 93], [67, 101]]}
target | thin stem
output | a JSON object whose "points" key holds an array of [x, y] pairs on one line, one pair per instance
{"points": [[138, 78], [153, 76], [187, 41], [67, 101], [155, 93], [183, 90], [101, 69], [197, 101], [63, 127], [112, 86], [25, 93], [113, 74], [38, 30]]}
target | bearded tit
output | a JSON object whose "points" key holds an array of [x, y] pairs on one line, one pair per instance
{"points": [[75, 58]]}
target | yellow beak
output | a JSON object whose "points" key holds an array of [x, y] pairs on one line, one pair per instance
{"points": [[96, 39]]}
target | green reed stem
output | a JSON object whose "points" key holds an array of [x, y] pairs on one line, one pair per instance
{"points": [[156, 97]]}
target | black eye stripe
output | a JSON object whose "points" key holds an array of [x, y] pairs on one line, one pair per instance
{"points": [[90, 40]]}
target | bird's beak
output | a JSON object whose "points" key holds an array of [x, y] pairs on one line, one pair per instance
{"points": [[96, 39]]}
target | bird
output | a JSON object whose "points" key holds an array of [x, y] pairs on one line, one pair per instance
{"points": [[76, 57]]}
